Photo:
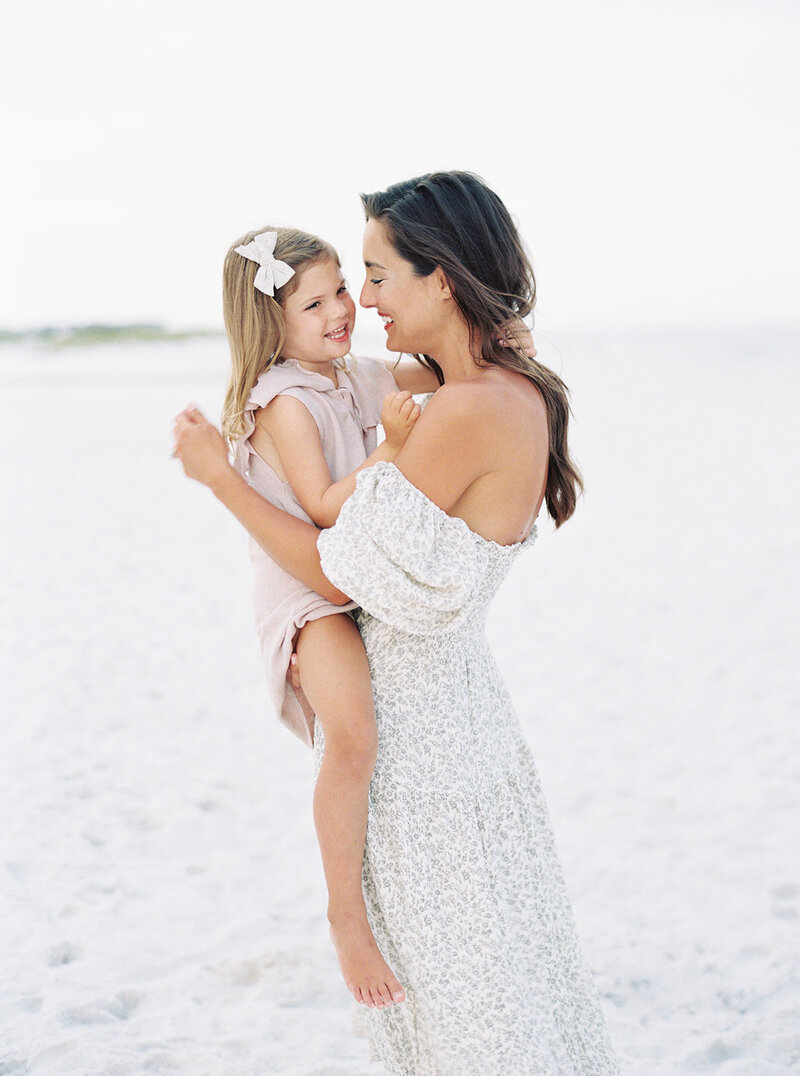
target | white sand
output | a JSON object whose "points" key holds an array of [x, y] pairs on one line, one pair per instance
{"points": [[161, 903]]}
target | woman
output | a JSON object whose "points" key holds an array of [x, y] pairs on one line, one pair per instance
{"points": [[461, 878]]}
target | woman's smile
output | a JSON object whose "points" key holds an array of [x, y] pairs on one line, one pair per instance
{"points": [[392, 282]]}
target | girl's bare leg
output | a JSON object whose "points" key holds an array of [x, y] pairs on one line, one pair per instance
{"points": [[335, 678]]}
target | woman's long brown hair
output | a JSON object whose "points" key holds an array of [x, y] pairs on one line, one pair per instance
{"points": [[453, 220]]}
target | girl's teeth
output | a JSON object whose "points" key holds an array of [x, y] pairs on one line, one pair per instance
{"points": [[387, 320]]}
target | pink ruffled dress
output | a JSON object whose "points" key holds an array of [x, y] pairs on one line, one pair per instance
{"points": [[347, 418]]}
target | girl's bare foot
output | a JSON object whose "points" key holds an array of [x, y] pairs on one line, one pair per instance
{"points": [[366, 974]]}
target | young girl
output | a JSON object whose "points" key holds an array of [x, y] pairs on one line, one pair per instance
{"points": [[302, 421]]}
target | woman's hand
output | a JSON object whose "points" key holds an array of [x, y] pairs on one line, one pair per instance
{"points": [[517, 334], [200, 447], [399, 413], [291, 542]]}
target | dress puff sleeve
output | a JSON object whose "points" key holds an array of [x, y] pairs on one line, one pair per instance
{"points": [[404, 560]]}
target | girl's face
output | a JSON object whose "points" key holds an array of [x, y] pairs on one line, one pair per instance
{"points": [[320, 315], [408, 304]]}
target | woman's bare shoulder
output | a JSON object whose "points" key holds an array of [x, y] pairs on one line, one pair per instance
{"points": [[495, 391]]}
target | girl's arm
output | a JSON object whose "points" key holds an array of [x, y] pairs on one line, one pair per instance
{"points": [[290, 542], [296, 439]]}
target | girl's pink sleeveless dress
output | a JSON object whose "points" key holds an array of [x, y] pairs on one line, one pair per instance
{"points": [[347, 418]]}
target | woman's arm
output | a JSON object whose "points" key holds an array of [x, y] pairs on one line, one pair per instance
{"points": [[295, 436], [291, 542], [412, 376]]}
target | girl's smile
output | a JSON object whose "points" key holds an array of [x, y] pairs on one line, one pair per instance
{"points": [[320, 315], [339, 335]]}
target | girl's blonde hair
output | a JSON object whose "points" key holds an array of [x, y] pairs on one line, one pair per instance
{"points": [[255, 322]]}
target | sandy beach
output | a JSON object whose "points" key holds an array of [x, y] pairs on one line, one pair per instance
{"points": [[162, 903]]}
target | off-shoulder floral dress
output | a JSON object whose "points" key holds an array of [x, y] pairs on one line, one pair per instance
{"points": [[462, 881]]}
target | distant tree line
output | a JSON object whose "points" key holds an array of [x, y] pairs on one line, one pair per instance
{"points": [[74, 335]]}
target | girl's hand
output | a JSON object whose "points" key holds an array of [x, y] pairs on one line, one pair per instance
{"points": [[294, 671], [400, 412], [200, 447], [517, 334]]}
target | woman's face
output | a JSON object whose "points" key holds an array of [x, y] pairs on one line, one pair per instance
{"points": [[408, 304]]}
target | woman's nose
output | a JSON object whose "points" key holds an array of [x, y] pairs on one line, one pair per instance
{"points": [[365, 298]]}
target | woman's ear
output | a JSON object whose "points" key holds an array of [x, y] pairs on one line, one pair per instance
{"points": [[441, 285]]}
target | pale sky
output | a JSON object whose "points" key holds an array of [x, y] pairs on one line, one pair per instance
{"points": [[648, 150]]}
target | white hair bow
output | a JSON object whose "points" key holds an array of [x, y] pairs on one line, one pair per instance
{"points": [[273, 273]]}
